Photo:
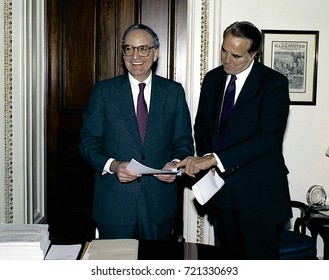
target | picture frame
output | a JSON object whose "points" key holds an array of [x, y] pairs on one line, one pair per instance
{"points": [[294, 53]]}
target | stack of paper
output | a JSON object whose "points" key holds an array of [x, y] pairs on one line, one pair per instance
{"points": [[23, 241]]}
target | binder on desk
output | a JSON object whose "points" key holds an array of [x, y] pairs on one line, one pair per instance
{"points": [[111, 249]]}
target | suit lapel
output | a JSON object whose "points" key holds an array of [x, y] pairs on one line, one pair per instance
{"points": [[249, 88], [126, 105], [158, 99], [218, 99]]}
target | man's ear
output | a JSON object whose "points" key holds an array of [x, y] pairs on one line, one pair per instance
{"points": [[156, 54]]}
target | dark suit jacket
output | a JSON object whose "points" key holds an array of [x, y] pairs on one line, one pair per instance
{"points": [[110, 130], [255, 171]]}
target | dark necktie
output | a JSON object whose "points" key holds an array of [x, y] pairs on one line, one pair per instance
{"points": [[142, 113], [225, 114]]}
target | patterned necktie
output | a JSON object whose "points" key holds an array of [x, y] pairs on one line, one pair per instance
{"points": [[142, 113], [225, 114]]}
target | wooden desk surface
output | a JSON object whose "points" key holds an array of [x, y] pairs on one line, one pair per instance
{"points": [[169, 250]]}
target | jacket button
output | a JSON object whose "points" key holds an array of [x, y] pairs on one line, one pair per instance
{"points": [[143, 157]]}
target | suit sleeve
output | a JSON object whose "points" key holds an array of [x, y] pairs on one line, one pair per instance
{"points": [[205, 120], [91, 136], [182, 134]]}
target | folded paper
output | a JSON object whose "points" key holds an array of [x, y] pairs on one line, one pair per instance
{"points": [[207, 187]]}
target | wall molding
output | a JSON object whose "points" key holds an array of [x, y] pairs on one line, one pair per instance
{"points": [[202, 55], [203, 70], [8, 116], [24, 91]]}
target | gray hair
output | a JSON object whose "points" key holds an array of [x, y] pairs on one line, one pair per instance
{"points": [[155, 37]]}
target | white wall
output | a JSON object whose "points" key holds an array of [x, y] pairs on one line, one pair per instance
{"points": [[307, 135]]}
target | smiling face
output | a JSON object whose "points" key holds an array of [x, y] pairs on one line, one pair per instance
{"points": [[234, 54], [140, 66]]}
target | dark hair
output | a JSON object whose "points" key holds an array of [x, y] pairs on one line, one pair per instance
{"points": [[155, 37], [247, 30]]}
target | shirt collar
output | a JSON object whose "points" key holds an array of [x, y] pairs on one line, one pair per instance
{"points": [[244, 74], [134, 83]]}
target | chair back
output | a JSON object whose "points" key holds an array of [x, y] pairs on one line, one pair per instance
{"points": [[295, 244]]}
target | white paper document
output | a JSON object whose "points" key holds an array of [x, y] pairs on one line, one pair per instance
{"points": [[207, 186], [138, 168], [63, 252]]}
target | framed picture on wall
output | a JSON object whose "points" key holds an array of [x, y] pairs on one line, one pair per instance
{"points": [[295, 55]]}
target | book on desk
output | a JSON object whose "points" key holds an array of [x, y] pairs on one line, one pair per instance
{"points": [[111, 249]]}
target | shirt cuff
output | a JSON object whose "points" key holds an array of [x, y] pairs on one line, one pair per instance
{"points": [[107, 166], [219, 163]]}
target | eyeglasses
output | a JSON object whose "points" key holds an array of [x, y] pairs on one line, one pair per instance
{"points": [[129, 50]]}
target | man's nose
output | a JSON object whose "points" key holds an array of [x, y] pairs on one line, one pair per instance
{"points": [[227, 58], [136, 53]]}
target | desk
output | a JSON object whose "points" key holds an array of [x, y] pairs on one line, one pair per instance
{"points": [[318, 224], [160, 250], [163, 250]]}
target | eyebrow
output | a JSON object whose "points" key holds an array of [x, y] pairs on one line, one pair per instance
{"points": [[234, 55]]}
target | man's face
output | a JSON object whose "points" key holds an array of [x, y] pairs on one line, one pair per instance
{"points": [[140, 66], [234, 54]]}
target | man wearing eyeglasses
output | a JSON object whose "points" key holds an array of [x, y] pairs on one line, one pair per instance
{"points": [[126, 204]]}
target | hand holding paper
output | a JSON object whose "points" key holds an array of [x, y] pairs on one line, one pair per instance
{"points": [[138, 168], [207, 186]]}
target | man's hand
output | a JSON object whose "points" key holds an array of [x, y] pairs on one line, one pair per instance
{"points": [[193, 165], [168, 178], [124, 175]]}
